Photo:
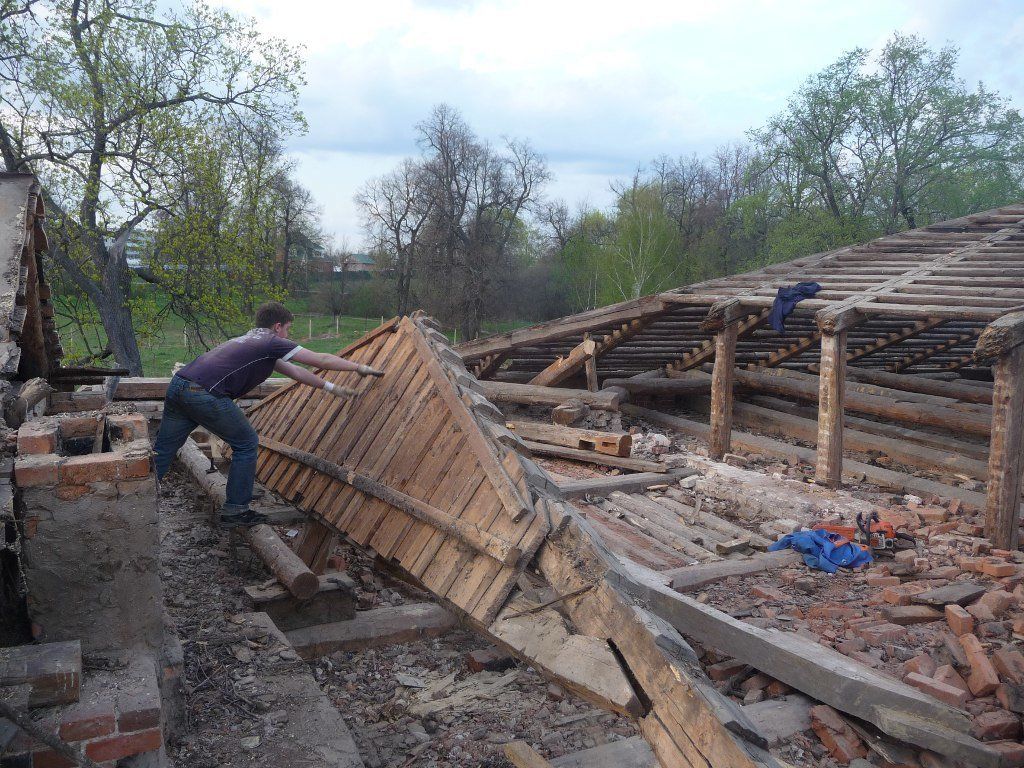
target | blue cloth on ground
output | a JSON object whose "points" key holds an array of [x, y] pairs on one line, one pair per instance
{"points": [[823, 550], [786, 301]]}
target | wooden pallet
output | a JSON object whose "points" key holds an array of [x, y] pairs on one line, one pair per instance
{"points": [[416, 466]]}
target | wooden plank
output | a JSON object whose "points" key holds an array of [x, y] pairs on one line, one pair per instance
{"points": [[480, 541], [693, 577], [1002, 508], [522, 755], [633, 752], [315, 544], [593, 457], [816, 670], [611, 443], [602, 486], [721, 392], [829, 466]]}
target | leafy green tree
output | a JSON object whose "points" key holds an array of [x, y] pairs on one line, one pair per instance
{"points": [[643, 255], [101, 97]]}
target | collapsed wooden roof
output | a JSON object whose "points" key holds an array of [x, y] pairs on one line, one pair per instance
{"points": [[28, 339], [923, 297]]}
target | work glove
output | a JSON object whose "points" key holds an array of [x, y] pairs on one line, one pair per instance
{"points": [[365, 370], [338, 391]]}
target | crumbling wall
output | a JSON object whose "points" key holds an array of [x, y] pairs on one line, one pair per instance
{"points": [[91, 532]]}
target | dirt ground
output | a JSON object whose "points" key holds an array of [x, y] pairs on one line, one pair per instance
{"points": [[392, 698]]}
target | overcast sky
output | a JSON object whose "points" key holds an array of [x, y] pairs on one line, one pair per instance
{"points": [[597, 87]]}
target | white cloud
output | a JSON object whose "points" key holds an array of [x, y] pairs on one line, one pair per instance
{"points": [[598, 87]]}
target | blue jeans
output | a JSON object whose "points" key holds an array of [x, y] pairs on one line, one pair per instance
{"points": [[187, 406]]}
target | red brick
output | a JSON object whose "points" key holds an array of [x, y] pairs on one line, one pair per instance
{"points": [[72, 492], [1011, 753], [34, 438], [769, 593], [723, 670], [126, 427], [836, 734], [998, 724], [998, 570], [47, 758], [922, 664], [1009, 664], [82, 721], [881, 633], [969, 564], [36, 470], [932, 515], [998, 601], [777, 688], [981, 612], [135, 467], [834, 611], [983, 679], [755, 682], [941, 691], [82, 470], [117, 747], [959, 620], [948, 675], [882, 581], [902, 594]]}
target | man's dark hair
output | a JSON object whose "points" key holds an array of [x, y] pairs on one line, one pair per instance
{"points": [[271, 313]]}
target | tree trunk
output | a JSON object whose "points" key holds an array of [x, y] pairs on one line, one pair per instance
{"points": [[116, 315]]}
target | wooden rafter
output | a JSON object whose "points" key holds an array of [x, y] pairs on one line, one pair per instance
{"points": [[911, 360], [910, 331], [488, 365], [788, 352], [706, 351]]}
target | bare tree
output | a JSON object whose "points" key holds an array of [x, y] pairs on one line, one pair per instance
{"points": [[396, 209]]}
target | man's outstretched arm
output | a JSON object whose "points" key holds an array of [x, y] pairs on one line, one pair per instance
{"points": [[328, 362]]}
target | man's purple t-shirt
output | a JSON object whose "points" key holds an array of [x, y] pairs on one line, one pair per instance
{"points": [[239, 364]]}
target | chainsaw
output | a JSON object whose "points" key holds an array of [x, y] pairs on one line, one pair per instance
{"points": [[871, 533]]}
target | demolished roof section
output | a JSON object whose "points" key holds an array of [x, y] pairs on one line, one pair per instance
{"points": [[924, 296]]}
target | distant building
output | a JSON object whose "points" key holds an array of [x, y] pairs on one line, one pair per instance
{"points": [[139, 247], [355, 262]]}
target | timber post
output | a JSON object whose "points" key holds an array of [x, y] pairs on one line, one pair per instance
{"points": [[719, 440], [831, 391], [1003, 342]]}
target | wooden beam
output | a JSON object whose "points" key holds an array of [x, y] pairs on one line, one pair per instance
{"points": [[894, 338], [522, 755], [612, 443], [604, 485], [488, 365], [789, 351], [1006, 454], [565, 367], [706, 351], [315, 544], [919, 357], [593, 457], [909, 383], [828, 470], [721, 391], [528, 394], [820, 672], [661, 387], [1001, 336], [478, 540], [262, 539], [590, 369]]}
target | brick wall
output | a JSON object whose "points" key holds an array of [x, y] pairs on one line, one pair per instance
{"points": [[91, 543]]}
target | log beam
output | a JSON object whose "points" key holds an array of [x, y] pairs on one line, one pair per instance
{"points": [[721, 391], [293, 574], [1006, 454], [1000, 337], [829, 466], [565, 367], [528, 394], [911, 360], [706, 350]]}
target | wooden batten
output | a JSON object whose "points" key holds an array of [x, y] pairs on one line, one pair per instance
{"points": [[829, 466]]}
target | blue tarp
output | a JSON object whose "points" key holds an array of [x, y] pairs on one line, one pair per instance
{"points": [[786, 301], [824, 550]]}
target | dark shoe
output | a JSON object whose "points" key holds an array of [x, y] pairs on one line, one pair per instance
{"points": [[245, 519]]}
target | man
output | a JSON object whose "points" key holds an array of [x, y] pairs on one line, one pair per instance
{"points": [[203, 393]]}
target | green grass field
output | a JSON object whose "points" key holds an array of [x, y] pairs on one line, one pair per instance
{"points": [[319, 333]]}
